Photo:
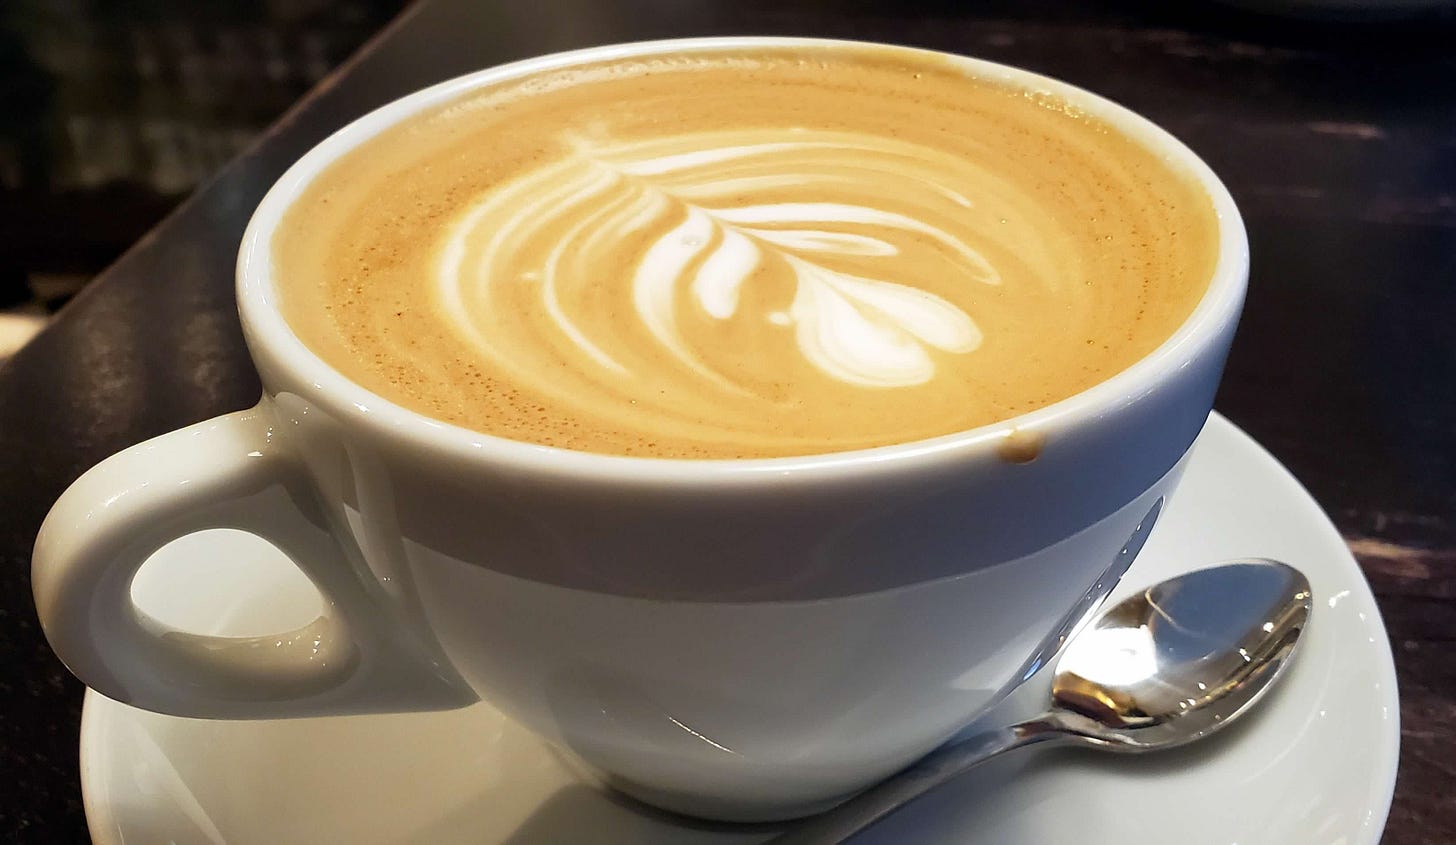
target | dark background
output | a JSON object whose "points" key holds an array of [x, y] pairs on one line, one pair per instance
{"points": [[111, 112], [1337, 137]]}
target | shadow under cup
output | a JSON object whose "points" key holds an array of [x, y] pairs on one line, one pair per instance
{"points": [[741, 640]]}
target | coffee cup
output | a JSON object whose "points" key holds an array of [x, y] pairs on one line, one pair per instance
{"points": [[740, 637]]}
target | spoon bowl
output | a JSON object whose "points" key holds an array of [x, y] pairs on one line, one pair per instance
{"points": [[1180, 659]]}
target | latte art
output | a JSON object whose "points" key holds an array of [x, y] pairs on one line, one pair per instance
{"points": [[695, 219], [720, 254]]}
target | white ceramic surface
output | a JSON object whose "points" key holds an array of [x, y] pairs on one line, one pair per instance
{"points": [[1315, 767], [741, 639]]}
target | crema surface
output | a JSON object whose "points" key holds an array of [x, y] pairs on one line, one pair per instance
{"points": [[742, 254]]}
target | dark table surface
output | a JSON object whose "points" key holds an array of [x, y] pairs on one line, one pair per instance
{"points": [[1338, 139]]}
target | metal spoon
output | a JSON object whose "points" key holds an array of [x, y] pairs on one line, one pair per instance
{"points": [[1167, 666]]}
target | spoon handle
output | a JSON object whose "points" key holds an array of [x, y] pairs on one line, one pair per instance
{"points": [[858, 813]]}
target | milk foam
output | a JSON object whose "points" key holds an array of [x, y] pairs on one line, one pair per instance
{"points": [[870, 332], [748, 253]]}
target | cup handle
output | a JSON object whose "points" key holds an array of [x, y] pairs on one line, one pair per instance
{"points": [[228, 472]]}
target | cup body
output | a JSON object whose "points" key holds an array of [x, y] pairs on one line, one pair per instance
{"points": [[751, 639], [756, 638]]}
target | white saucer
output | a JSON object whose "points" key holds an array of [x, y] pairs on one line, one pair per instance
{"points": [[1316, 765]]}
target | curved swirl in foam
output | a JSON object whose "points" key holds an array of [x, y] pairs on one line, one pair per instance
{"points": [[696, 218]]}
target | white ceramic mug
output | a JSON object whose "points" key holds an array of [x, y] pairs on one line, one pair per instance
{"points": [[743, 639]]}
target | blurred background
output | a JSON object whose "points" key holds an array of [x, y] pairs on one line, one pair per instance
{"points": [[111, 112]]}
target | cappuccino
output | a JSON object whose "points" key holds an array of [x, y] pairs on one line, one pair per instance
{"points": [[738, 253]]}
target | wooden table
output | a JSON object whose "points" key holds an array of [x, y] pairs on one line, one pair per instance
{"points": [[1337, 140]]}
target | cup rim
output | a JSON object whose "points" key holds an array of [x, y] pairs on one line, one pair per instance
{"points": [[267, 332]]}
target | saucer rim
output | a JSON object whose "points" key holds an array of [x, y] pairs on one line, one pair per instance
{"points": [[104, 829]]}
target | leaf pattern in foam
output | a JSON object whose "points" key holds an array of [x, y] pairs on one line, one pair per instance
{"points": [[757, 216], [716, 203], [867, 332]]}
